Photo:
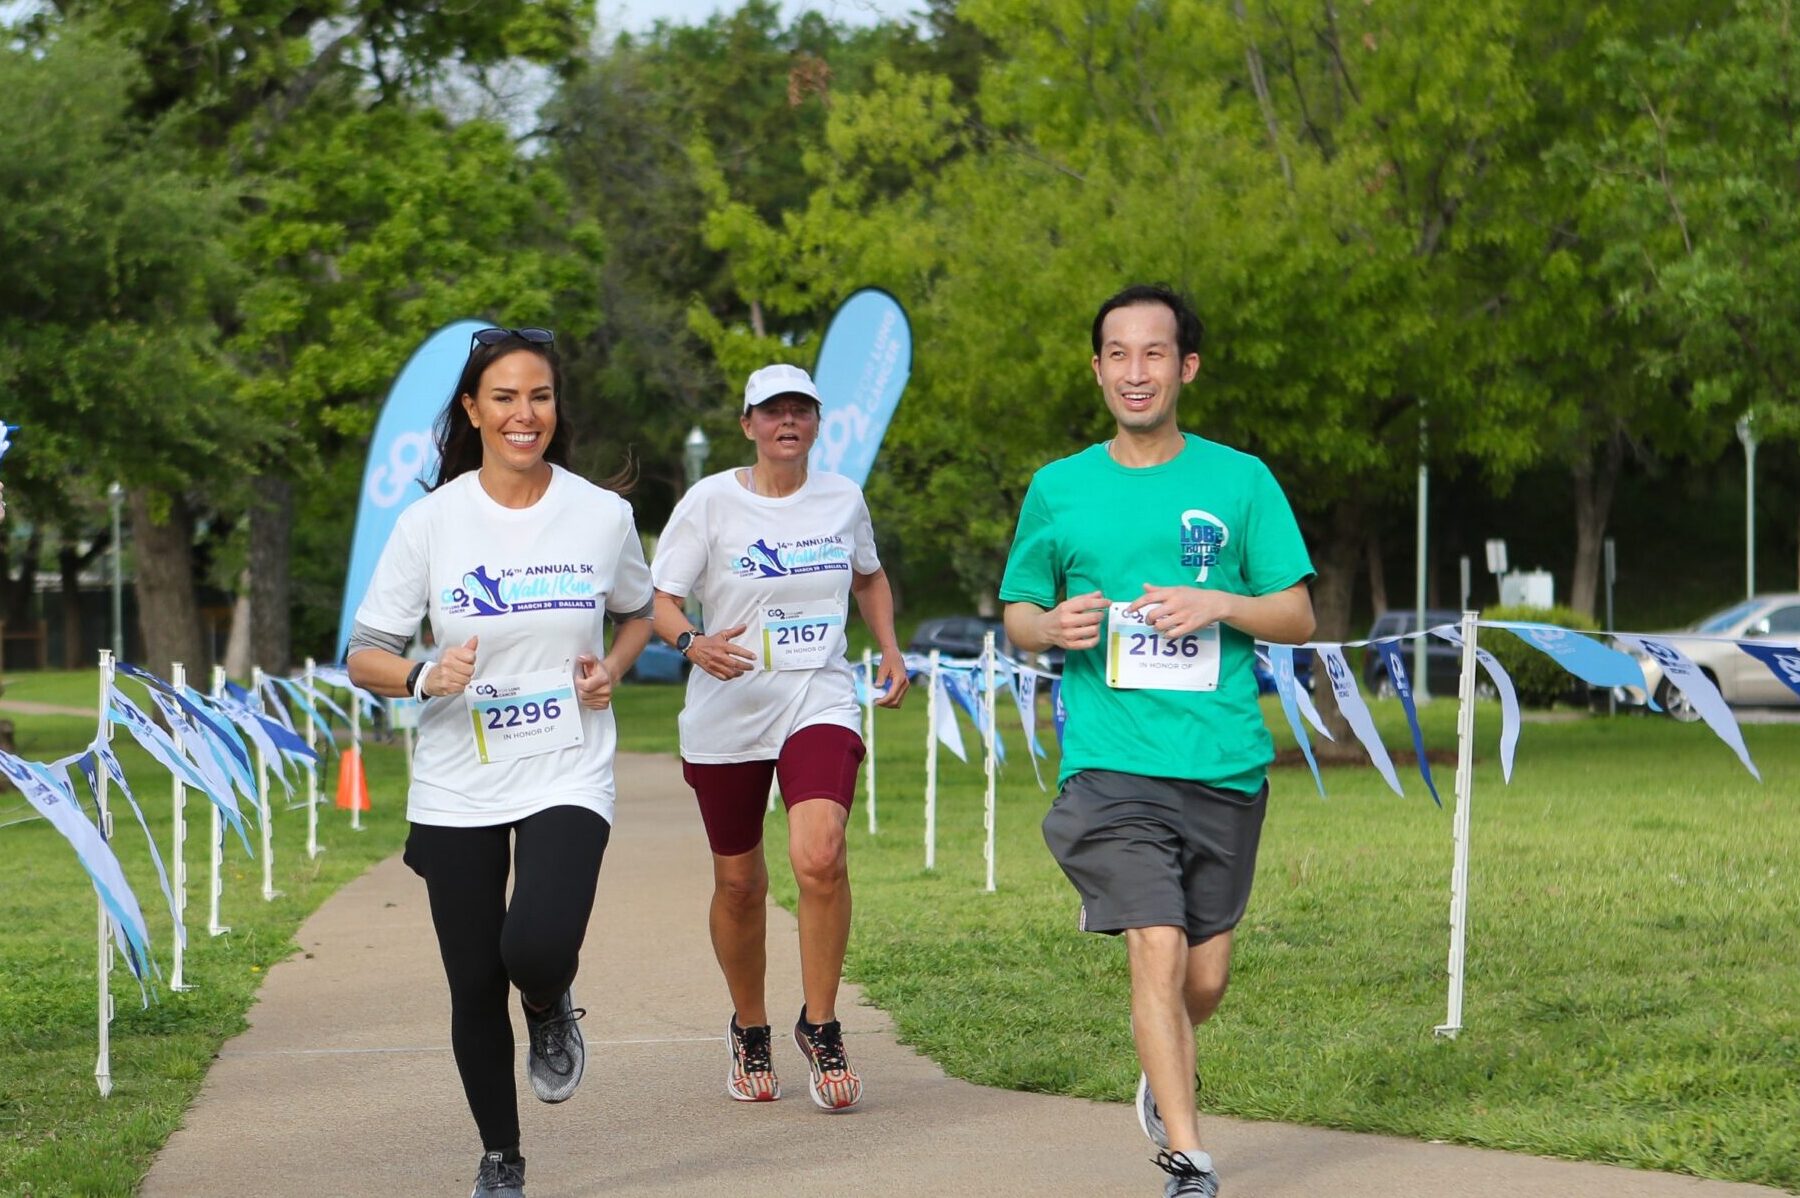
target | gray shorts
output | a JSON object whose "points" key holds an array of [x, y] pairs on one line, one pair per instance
{"points": [[1156, 852]]}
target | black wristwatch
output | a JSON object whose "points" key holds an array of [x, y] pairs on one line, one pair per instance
{"points": [[685, 641], [412, 681]]}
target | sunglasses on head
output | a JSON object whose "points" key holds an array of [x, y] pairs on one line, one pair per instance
{"points": [[495, 336]]}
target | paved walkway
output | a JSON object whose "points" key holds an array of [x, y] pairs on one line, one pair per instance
{"points": [[344, 1086]]}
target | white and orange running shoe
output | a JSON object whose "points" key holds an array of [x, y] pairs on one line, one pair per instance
{"points": [[830, 1081], [752, 1077]]}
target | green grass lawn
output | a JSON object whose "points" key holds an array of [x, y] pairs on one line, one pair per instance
{"points": [[1634, 897], [57, 1135], [1631, 963]]}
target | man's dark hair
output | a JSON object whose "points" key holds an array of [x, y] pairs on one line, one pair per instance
{"points": [[1188, 329]]}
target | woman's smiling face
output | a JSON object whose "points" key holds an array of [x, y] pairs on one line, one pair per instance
{"points": [[515, 410]]}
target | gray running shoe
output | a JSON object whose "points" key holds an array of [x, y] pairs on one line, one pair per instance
{"points": [[557, 1054], [1188, 1177], [1149, 1118], [498, 1178]]}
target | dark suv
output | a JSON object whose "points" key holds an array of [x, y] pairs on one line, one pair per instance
{"points": [[1443, 660]]}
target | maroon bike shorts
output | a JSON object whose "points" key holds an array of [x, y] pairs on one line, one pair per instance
{"points": [[817, 762]]}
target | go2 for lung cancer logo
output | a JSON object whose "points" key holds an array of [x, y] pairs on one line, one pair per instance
{"points": [[522, 589], [1203, 536], [784, 558]]}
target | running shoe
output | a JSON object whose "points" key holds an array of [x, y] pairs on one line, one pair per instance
{"points": [[1190, 1174], [498, 1178], [829, 1080], [557, 1054], [1149, 1118], [752, 1077]]}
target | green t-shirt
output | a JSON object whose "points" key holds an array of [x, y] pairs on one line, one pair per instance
{"points": [[1209, 517]]}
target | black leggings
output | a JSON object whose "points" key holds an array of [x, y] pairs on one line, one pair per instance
{"points": [[534, 944]]}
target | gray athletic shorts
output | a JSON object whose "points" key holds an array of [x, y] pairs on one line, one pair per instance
{"points": [[1156, 852]]}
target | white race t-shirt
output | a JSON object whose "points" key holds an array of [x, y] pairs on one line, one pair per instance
{"points": [[782, 567], [533, 584]]}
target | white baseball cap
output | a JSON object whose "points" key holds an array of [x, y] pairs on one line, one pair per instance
{"points": [[777, 380]]}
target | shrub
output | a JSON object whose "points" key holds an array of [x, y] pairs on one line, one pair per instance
{"points": [[1539, 681]]}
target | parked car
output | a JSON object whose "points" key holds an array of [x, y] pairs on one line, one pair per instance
{"points": [[1443, 660], [1303, 672], [957, 636], [1742, 679], [659, 662]]}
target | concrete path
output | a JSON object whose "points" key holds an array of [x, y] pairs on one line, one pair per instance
{"points": [[344, 1085]]}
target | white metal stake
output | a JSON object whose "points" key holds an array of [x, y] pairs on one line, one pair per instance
{"points": [[931, 755], [356, 744], [263, 806], [1465, 786], [869, 733], [992, 754], [178, 794], [217, 825], [312, 769], [104, 959]]}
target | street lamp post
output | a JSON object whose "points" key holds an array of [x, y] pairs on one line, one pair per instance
{"points": [[1421, 692], [694, 452], [1746, 433], [115, 495], [693, 457]]}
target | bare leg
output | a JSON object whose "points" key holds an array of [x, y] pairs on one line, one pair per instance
{"points": [[1162, 1029], [739, 922], [1208, 970], [816, 847]]}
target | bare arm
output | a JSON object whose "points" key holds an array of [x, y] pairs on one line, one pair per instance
{"points": [[594, 678], [1072, 624], [384, 673], [713, 652], [1282, 617], [875, 600], [629, 639]]}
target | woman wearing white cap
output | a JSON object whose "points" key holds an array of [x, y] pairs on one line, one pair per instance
{"points": [[773, 554]]}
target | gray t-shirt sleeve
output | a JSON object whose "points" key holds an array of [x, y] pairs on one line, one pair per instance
{"points": [[642, 613], [364, 637]]}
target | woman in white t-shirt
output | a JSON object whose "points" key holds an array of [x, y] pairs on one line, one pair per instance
{"points": [[773, 554], [517, 562]]}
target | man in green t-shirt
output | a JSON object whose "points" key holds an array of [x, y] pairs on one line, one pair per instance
{"points": [[1156, 560]]}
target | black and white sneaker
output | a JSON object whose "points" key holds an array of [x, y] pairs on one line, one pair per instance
{"points": [[499, 1178], [1190, 1174], [557, 1054]]}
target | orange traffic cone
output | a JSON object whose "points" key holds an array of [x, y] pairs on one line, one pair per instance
{"points": [[352, 787]]}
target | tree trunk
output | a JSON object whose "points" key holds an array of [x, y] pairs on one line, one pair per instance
{"points": [[1331, 593], [163, 564], [68, 564], [238, 658], [1378, 596], [1595, 482], [18, 612], [271, 527]]}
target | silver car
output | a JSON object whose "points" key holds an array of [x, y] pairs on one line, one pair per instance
{"points": [[1742, 679]]}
